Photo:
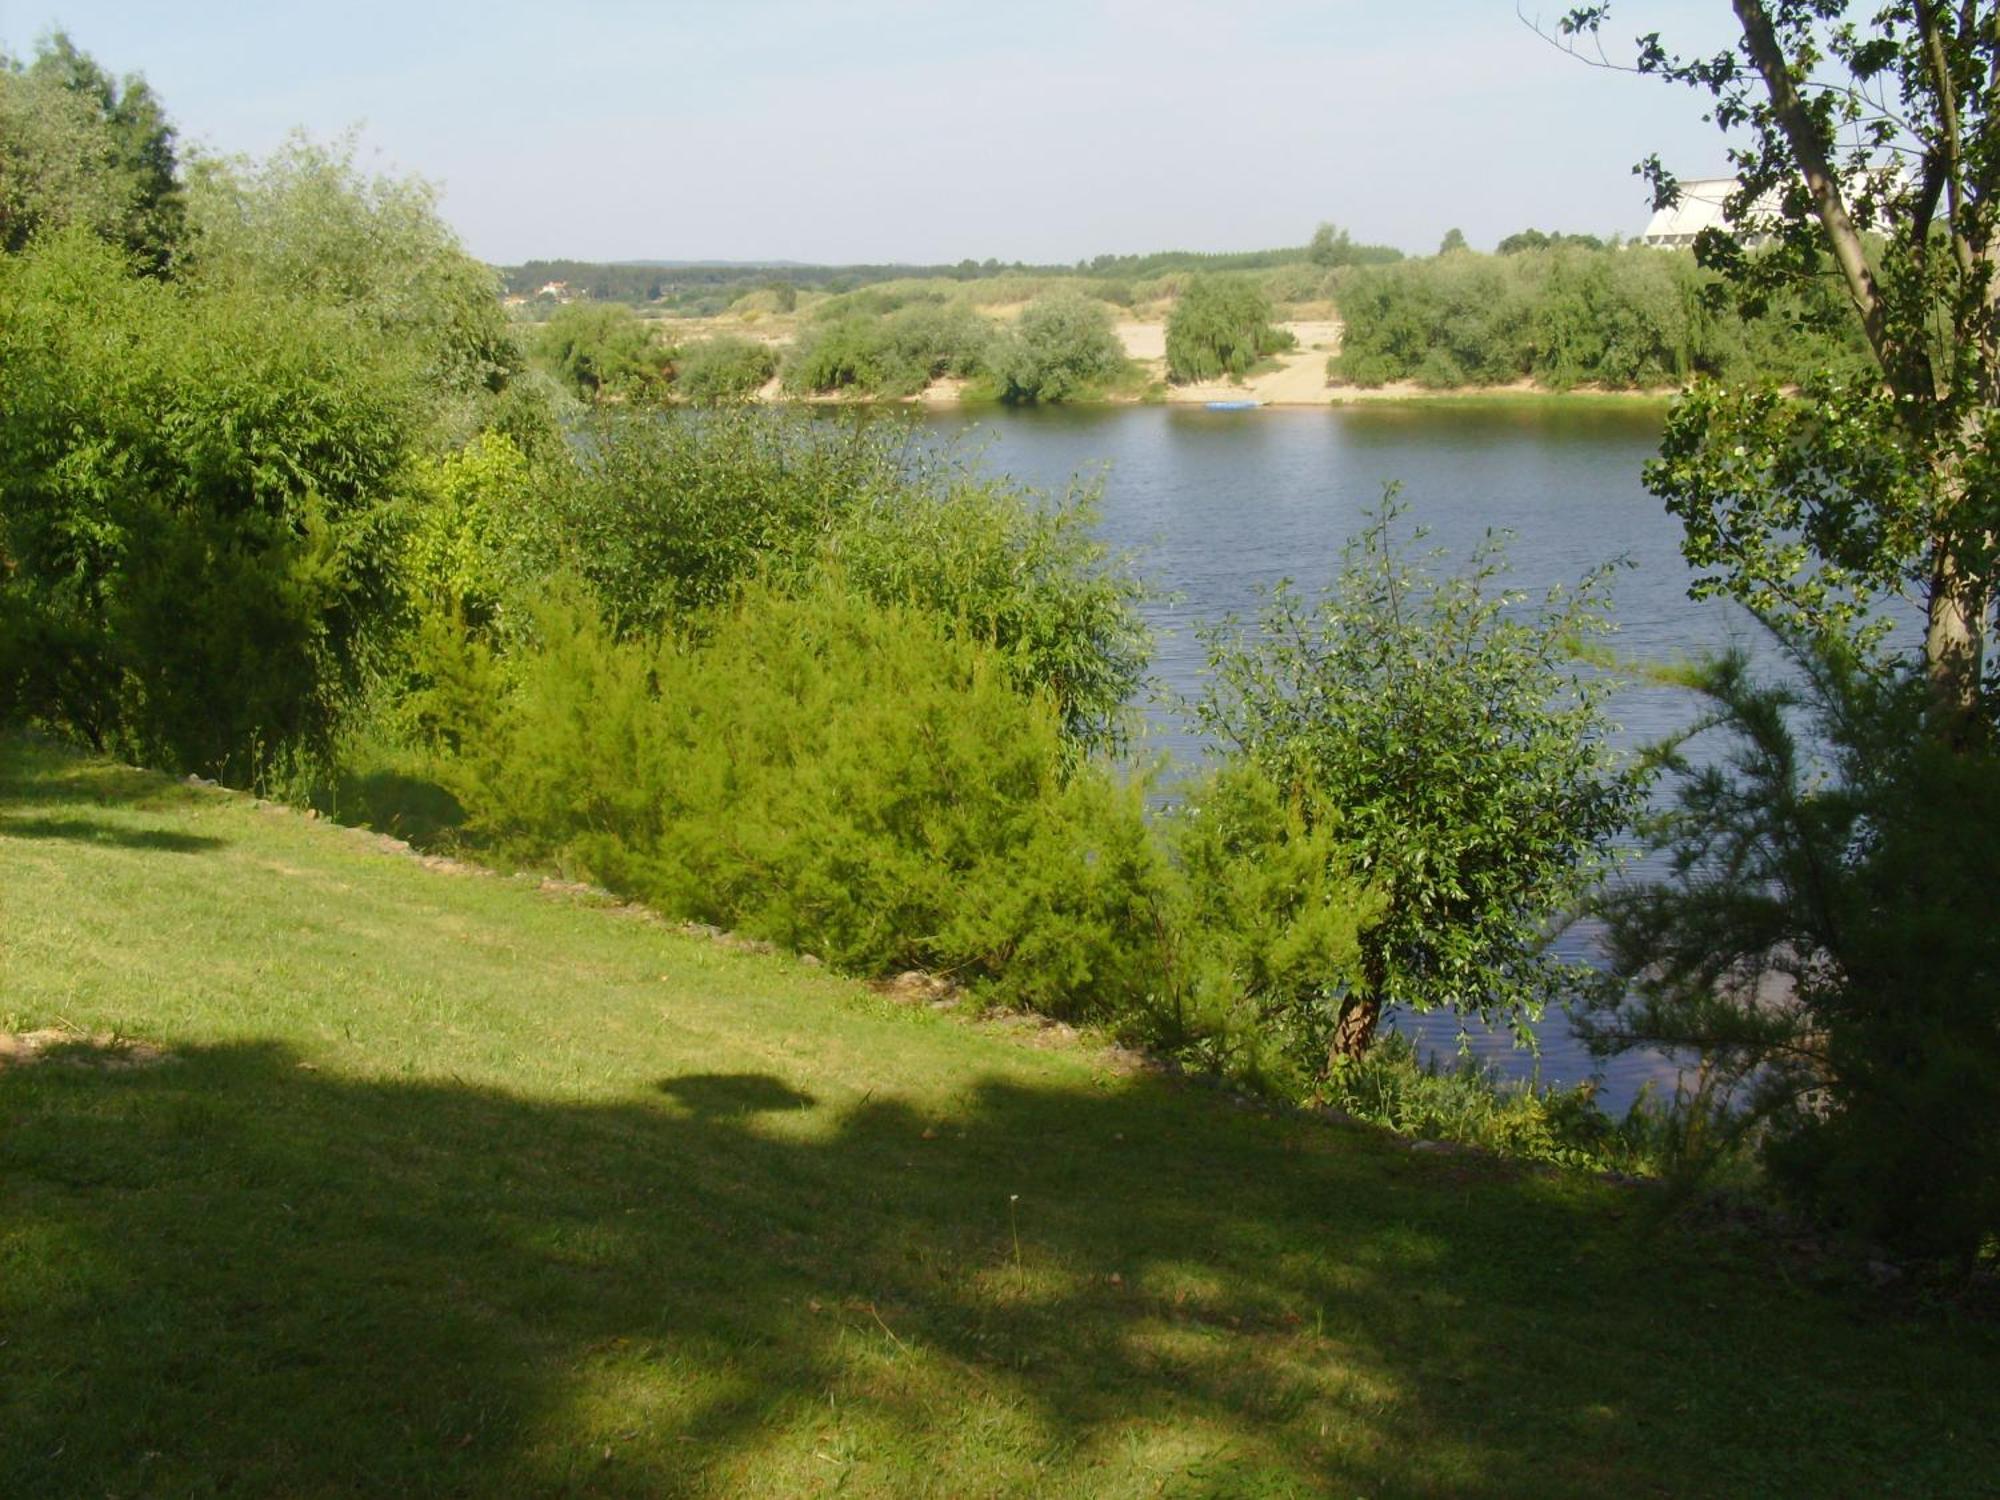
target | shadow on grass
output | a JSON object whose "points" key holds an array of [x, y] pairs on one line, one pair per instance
{"points": [[92, 831], [719, 1095], [412, 807], [240, 1274]]}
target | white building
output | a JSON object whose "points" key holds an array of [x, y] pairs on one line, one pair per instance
{"points": [[1700, 207]]}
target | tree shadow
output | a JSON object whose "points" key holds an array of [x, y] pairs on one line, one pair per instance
{"points": [[243, 1273], [414, 808], [720, 1095], [112, 835]]}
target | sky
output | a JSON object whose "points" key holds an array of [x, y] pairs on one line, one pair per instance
{"points": [[850, 131]]}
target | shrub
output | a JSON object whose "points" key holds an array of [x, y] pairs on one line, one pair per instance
{"points": [[483, 532], [199, 503], [1063, 347], [832, 774], [307, 225], [839, 354], [1220, 327], [1563, 316], [1465, 753], [1392, 1087], [1264, 928], [893, 355], [712, 371], [673, 516], [604, 350], [1827, 942]]}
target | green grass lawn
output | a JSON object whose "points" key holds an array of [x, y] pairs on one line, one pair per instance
{"points": [[454, 1185]]}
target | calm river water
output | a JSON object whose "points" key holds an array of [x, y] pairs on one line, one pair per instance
{"points": [[1218, 505]]}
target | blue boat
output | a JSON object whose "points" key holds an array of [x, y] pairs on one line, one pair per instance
{"points": [[1232, 405]]}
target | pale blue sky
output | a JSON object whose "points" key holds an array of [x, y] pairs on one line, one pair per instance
{"points": [[899, 130]]}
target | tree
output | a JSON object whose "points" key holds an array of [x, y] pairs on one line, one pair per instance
{"points": [[1330, 247], [604, 349], [199, 500], [1827, 939], [723, 368], [141, 142], [1868, 150], [308, 224], [1454, 239], [1463, 750], [1220, 326], [1827, 945], [1064, 346], [79, 148]]}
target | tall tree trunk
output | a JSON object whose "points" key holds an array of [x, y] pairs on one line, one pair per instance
{"points": [[1360, 1012], [1354, 1030], [1954, 646]]}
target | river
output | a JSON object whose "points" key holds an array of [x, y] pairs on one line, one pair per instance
{"points": [[1219, 505]]}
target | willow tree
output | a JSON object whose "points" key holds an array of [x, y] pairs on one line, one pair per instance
{"points": [[1867, 150]]}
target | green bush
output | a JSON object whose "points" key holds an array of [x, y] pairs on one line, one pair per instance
{"points": [[1262, 934], [712, 371], [1464, 749], [674, 516], [893, 354], [1827, 943], [1563, 316], [835, 775], [1392, 1087], [200, 500], [1221, 326], [1064, 347], [307, 225], [483, 535], [80, 149], [603, 350]]}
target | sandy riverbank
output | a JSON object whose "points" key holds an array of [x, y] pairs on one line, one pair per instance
{"points": [[1296, 378]]}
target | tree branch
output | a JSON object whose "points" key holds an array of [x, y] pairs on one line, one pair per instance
{"points": [[1761, 40]]}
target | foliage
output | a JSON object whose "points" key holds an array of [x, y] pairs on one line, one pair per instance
{"points": [[671, 517], [483, 534], [1865, 158], [1828, 935], [307, 225], [1200, 263], [1454, 240], [79, 148], [1465, 752], [1063, 348], [603, 351], [198, 500], [888, 348], [1535, 239], [1332, 247], [835, 775], [1220, 327], [1264, 923], [714, 370], [1392, 1087], [1829, 944], [1562, 317]]}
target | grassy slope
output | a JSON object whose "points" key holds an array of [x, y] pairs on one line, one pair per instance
{"points": [[458, 1186]]}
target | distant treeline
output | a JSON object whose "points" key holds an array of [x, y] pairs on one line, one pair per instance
{"points": [[1568, 315], [705, 289]]}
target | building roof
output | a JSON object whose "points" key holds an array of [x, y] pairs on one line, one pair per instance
{"points": [[1700, 207]]}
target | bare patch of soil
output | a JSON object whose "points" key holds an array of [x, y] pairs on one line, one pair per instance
{"points": [[77, 1049]]}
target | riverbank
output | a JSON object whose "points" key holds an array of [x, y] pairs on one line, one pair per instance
{"points": [[1296, 378], [445, 1181]]}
